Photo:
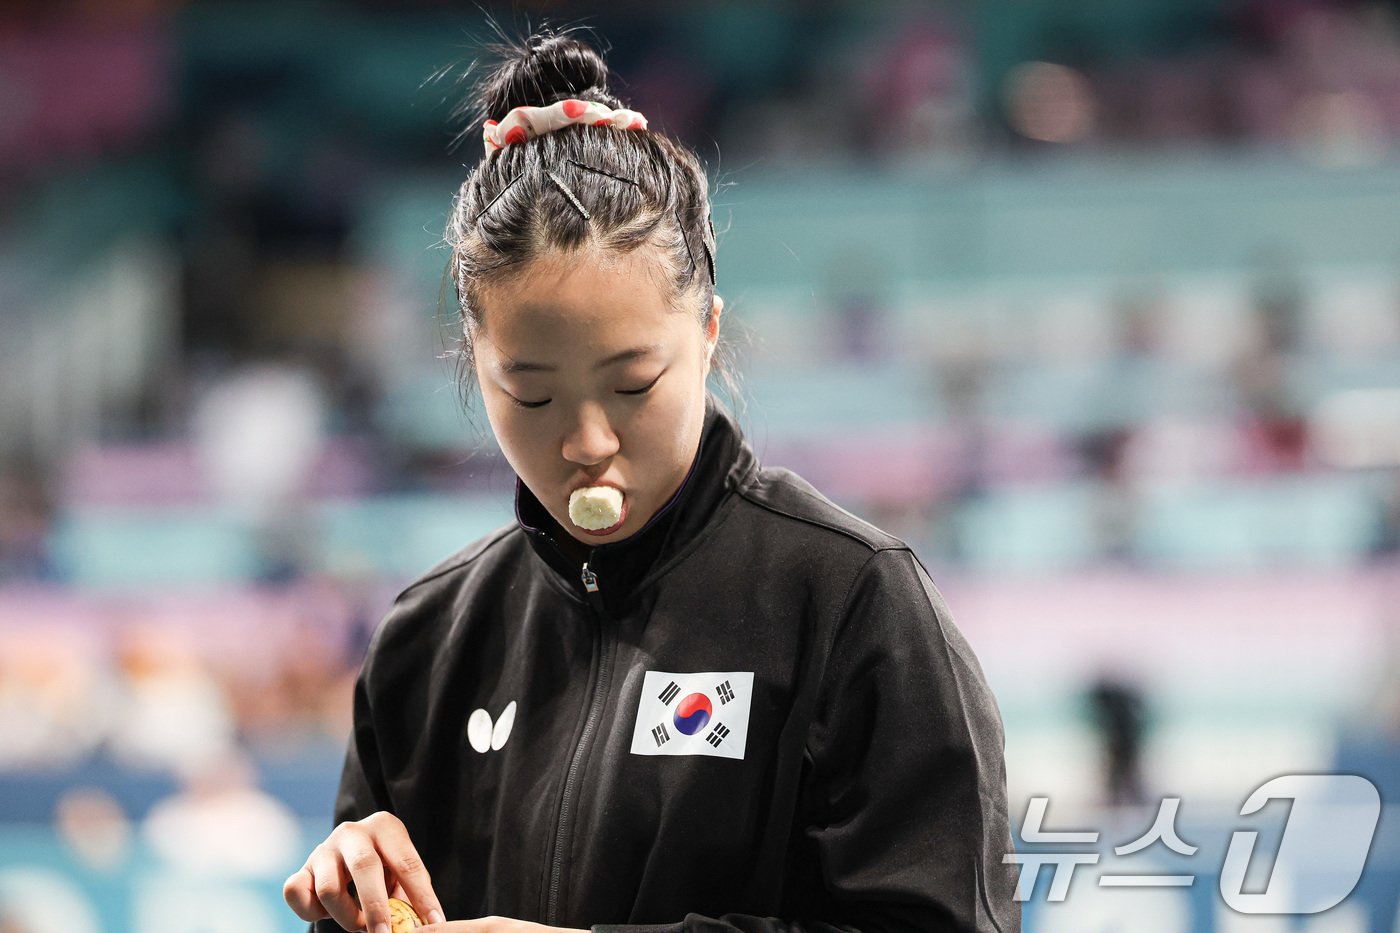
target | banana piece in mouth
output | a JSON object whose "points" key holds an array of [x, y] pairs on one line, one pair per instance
{"points": [[594, 508]]}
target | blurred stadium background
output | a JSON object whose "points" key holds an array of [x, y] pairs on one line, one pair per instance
{"points": [[1097, 304]]}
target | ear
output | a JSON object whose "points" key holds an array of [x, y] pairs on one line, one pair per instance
{"points": [[712, 330]]}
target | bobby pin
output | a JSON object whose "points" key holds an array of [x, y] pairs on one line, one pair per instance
{"points": [[599, 171], [497, 197], [568, 194]]}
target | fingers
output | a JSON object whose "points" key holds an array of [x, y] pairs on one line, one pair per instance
{"points": [[349, 876], [322, 889], [402, 863], [299, 891], [336, 887], [359, 855]]}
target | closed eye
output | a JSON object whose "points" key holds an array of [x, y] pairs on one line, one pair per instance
{"points": [[643, 390], [519, 404]]}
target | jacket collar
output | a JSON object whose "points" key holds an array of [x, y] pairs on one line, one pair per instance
{"points": [[722, 461]]}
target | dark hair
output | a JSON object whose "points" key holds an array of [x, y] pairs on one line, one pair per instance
{"points": [[618, 189]]}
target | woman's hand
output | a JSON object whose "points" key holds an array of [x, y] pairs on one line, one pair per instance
{"points": [[376, 855], [494, 925]]}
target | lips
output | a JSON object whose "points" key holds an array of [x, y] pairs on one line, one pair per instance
{"points": [[586, 483]]}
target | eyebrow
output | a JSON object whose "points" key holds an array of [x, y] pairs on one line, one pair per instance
{"points": [[520, 366]]}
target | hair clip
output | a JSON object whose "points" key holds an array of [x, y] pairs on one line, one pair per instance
{"points": [[599, 171], [680, 227], [709, 253], [503, 190], [709, 256], [568, 194]]}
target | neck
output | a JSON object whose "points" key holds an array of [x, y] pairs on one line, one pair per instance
{"points": [[573, 548]]}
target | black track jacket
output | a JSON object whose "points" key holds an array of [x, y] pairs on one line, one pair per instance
{"points": [[761, 718]]}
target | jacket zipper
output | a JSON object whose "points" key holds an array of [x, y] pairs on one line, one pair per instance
{"points": [[595, 708]]}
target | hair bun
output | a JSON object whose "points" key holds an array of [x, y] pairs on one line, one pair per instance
{"points": [[548, 68]]}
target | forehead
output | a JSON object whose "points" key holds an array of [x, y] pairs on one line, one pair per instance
{"points": [[582, 303]]}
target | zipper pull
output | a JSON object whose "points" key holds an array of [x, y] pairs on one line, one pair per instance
{"points": [[590, 579]]}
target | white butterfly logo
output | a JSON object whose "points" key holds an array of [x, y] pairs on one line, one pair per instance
{"points": [[484, 736]]}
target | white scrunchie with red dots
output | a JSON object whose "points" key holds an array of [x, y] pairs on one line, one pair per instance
{"points": [[524, 123]]}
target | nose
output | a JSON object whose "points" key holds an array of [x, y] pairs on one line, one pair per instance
{"points": [[591, 440]]}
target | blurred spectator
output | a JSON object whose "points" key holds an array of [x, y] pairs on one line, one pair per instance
{"points": [[259, 431], [94, 827], [298, 694], [221, 824], [1118, 712], [1387, 537], [25, 521], [964, 384], [55, 702], [917, 90], [856, 286], [171, 713], [1273, 424], [1114, 518]]}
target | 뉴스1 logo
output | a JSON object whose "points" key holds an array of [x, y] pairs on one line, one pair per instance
{"points": [[1326, 840]]}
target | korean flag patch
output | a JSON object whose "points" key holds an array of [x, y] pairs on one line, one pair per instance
{"points": [[693, 714]]}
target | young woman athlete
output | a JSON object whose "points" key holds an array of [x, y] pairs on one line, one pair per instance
{"points": [[682, 691]]}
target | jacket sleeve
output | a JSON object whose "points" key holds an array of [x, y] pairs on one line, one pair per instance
{"points": [[905, 800]]}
